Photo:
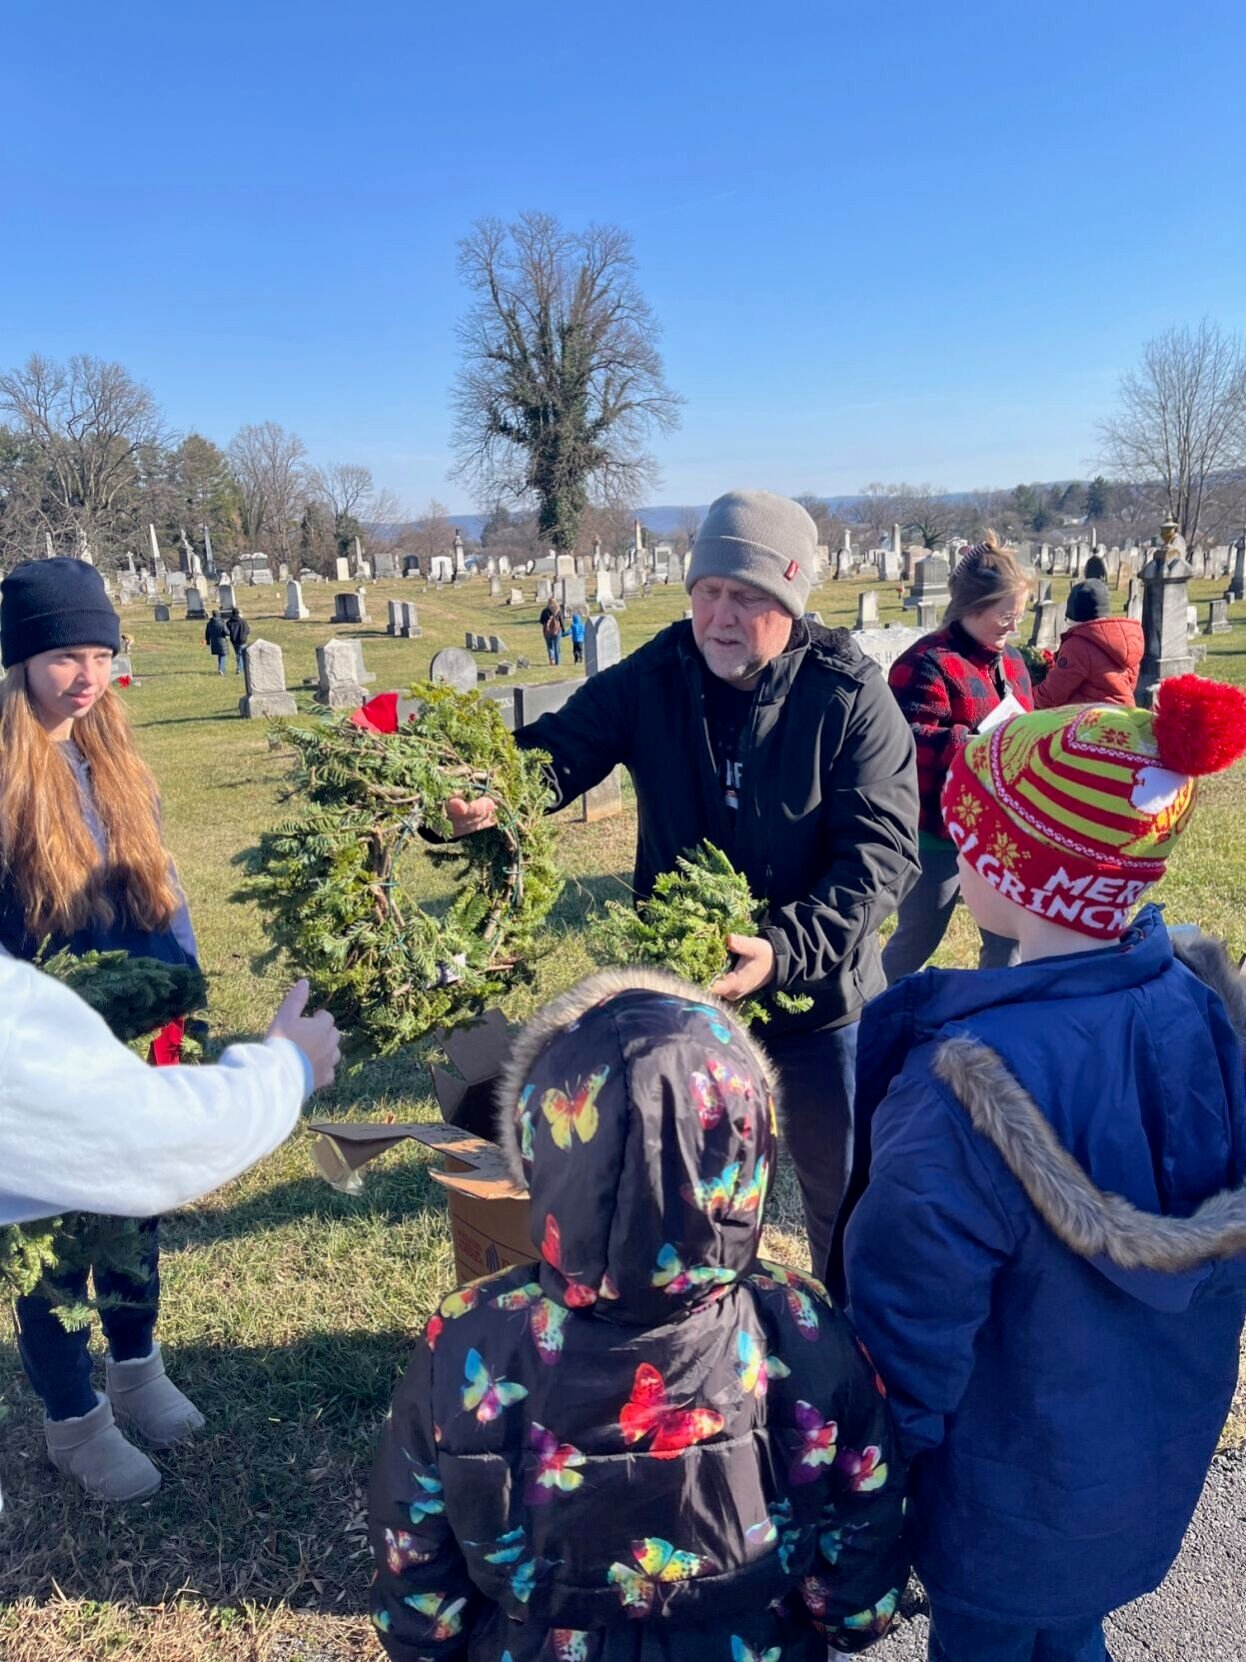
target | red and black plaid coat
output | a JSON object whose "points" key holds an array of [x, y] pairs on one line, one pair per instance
{"points": [[945, 684]]}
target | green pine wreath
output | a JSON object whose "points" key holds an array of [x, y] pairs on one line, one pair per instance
{"points": [[329, 882]]}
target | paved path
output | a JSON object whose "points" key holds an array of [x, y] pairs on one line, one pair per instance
{"points": [[1198, 1615]]}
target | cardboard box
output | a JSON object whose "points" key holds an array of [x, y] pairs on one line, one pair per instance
{"points": [[489, 1216]]}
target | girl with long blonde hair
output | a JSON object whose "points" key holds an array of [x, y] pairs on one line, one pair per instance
{"points": [[83, 866]]}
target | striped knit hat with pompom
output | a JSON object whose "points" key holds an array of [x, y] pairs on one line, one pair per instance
{"points": [[1072, 814]]}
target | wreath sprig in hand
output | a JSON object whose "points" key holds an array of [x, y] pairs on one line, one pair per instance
{"points": [[329, 882]]}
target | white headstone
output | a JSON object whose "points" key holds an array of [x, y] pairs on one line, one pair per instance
{"points": [[266, 693], [296, 610]]}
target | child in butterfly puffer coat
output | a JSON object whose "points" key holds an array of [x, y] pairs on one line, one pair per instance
{"points": [[650, 1443]]}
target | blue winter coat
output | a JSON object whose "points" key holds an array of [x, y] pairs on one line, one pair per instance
{"points": [[1060, 1360]]}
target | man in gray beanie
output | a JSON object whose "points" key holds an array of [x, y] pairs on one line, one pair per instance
{"points": [[778, 740]]}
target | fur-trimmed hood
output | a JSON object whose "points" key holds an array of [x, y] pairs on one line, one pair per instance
{"points": [[1116, 1236], [639, 1115]]}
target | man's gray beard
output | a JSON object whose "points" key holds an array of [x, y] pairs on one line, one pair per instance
{"points": [[745, 671]]}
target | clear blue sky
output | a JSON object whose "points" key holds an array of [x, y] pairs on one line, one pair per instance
{"points": [[905, 241]]}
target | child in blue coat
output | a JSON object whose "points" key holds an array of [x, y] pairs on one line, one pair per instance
{"points": [[1046, 1263]]}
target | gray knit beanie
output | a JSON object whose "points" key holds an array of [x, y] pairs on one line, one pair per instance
{"points": [[759, 538]]}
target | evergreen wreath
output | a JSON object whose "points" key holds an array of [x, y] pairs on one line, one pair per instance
{"points": [[683, 927], [328, 882], [136, 997]]}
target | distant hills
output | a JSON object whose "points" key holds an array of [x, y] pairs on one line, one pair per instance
{"points": [[663, 519]]}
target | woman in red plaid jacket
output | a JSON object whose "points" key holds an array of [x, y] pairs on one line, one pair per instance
{"points": [[946, 685]]}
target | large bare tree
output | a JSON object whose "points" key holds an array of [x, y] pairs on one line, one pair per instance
{"points": [[267, 464], [84, 439], [1181, 425], [561, 380]]}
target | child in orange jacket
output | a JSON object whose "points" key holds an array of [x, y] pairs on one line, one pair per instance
{"points": [[1099, 657]]}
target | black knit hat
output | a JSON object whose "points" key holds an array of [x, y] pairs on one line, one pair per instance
{"points": [[51, 603], [1087, 601]]}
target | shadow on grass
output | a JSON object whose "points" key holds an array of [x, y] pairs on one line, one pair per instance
{"points": [[264, 1504], [392, 1194]]}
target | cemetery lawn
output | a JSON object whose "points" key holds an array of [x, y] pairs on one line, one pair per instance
{"points": [[287, 1308]]}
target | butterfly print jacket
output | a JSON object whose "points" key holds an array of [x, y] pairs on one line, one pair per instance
{"points": [[649, 1443]]}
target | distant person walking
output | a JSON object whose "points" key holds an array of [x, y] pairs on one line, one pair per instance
{"points": [[216, 638], [1099, 657], [553, 628], [577, 635], [946, 685], [238, 629]]}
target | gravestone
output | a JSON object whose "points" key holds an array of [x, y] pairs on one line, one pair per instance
{"points": [[928, 615], [1217, 618], [295, 610], [194, 603], [1060, 562], [891, 566], [516, 598], [122, 668], [338, 670], [1046, 630], [602, 650], [1044, 590], [225, 597], [572, 592], [630, 580], [176, 583], [283, 572], [604, 587], [886, 644], [543, 590], [495, 587], [386, 564], [1133, 602], [1237, 588], [930, 583], [1165, 621], [602, 644], [403, 620], [867, 609], [455, 668], [496, 646], [265, 673], [341, 567], [349, 608], [161, 614], [564, 565]]}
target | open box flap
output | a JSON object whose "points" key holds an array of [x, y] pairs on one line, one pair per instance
{"points": [[481, 1166]]}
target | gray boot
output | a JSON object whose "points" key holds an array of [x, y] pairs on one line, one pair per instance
{"points": [[146, 1399], [93, 1452]]}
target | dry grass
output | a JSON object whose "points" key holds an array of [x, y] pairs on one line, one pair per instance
{"points": [[287, 1308]]}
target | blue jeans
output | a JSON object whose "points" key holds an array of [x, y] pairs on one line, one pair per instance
{"points": [[220, 662], [817, 1078], [57, 1362], [238, 651], [956, 1638], [924, 915], [554, 647]]}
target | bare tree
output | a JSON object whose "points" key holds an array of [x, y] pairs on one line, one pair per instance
{"points": [[432, 533], [87, 435], [688, 524], [926, 511], [1182, 425], [345, 486], [267, 464], [561, 380], [879, 507]]}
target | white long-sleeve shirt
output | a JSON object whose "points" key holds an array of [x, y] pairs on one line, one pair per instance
{"points": [[86, 1125]]}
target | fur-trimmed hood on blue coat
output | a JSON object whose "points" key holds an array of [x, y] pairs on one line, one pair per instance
{"points": [[1047, 1261]]}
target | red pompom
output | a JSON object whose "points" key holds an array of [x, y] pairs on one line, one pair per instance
{"points": [[1200, 726]]}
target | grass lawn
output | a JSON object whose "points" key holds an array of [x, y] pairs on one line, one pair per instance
{"points": [[288, 1309]]}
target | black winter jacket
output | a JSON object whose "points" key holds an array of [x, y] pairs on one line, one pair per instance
{"points": [[650, 1444], [238, 630], [216, 635], [827, 822]]}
